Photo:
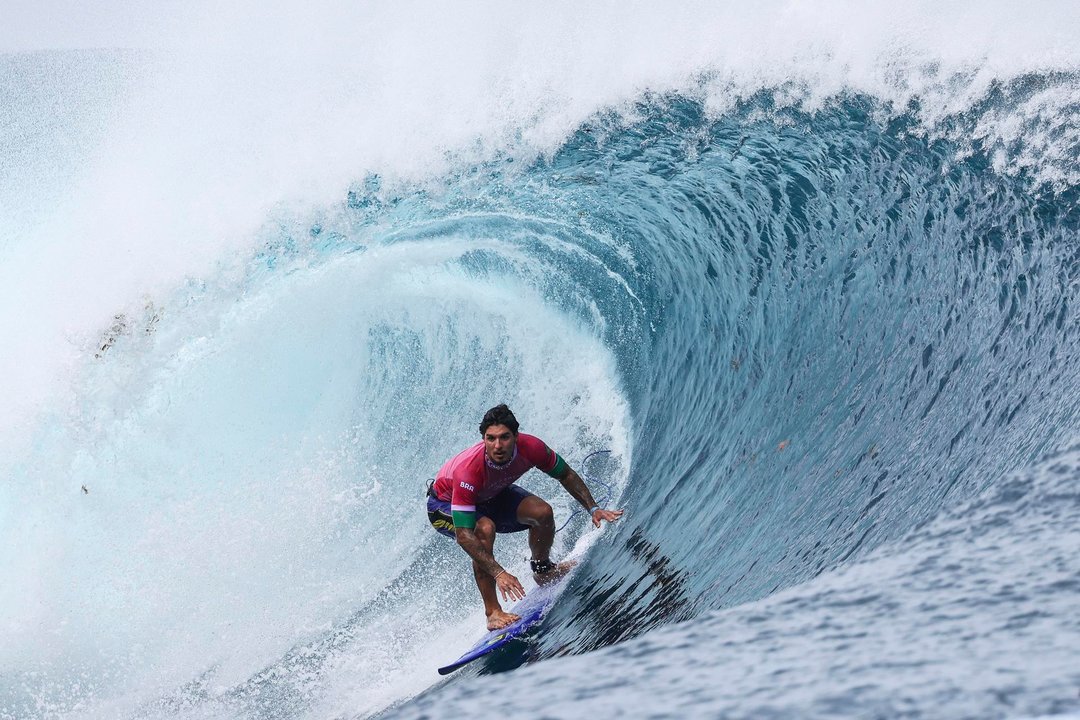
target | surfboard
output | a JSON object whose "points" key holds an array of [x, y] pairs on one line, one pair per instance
{"points": [[531, 608]]}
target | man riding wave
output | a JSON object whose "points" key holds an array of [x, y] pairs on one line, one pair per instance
{"points": [[473, 497]]}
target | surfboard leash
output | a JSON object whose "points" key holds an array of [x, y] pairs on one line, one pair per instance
{"points": [[590, 482]]}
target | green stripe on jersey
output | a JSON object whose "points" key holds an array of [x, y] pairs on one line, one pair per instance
{"points": [[559, 470], [464, 519]]}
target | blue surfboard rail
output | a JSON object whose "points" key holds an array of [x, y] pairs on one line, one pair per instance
{"points": [[531, 609]]}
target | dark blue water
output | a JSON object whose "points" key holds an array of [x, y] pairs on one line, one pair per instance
{"points": [[848, 331]]}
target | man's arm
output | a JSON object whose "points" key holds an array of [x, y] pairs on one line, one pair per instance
{"points": [[508, 585], [471, 544], [577, 489]]}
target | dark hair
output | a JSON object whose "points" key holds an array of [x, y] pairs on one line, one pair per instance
{"points": [[499, 415]]}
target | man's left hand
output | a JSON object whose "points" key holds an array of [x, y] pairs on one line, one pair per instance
{"points": [[609, 515]]}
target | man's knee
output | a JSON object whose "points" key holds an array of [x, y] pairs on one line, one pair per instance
{"points": [[535, 511], [485, 529]]}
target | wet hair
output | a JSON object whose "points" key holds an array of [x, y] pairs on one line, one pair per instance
{"points": [[499, 415]]}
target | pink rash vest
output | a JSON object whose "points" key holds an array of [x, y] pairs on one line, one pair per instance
{"points": [[470, 477]]}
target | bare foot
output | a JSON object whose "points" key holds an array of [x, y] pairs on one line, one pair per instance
{"points": [[555, 573], [500, 619]]}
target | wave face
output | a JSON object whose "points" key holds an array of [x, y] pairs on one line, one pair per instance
{"points": [[804, 327]]}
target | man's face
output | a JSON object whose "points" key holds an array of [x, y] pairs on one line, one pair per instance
{"points": [[499, 444]]}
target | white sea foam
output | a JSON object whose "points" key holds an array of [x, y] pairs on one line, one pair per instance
{"points": [[251, 473], [246, 108]]}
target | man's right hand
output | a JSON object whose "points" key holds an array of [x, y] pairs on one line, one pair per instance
{"points": [[509, 586]]}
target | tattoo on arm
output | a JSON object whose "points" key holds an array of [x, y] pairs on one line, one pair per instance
{"points": [[471, 544], [576, 487]]}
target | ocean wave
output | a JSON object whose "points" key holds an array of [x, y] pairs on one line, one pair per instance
{"points": [[807, 312]]}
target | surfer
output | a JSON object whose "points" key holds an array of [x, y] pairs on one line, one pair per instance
{"points": [[473, 497]]}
